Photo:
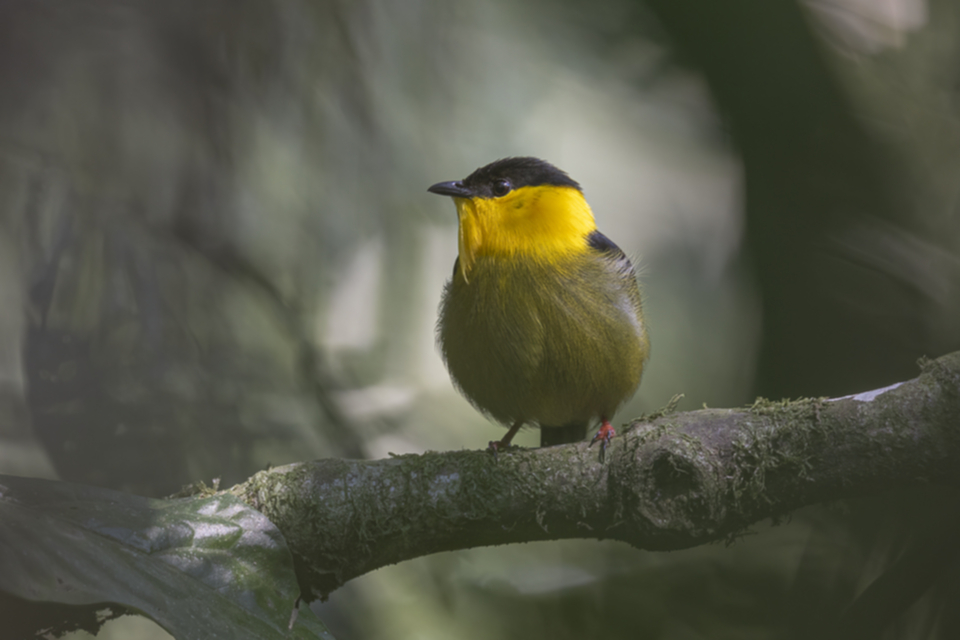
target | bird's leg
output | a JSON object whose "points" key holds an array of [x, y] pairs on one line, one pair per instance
{"points": [[604, 435], [504, 443]]}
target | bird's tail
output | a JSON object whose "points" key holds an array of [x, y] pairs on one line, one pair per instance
{"points": [[550, 436]]}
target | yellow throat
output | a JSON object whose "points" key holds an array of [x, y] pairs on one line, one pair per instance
{"points": [[546, 223]]}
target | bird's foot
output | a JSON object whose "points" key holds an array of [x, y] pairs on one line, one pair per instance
{"points": [[496, 446], [604, 435]]}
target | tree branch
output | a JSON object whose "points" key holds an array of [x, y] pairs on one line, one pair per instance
{"points": [[677, 481]]}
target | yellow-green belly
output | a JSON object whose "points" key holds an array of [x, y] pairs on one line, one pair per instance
{"points": [[552, 344]]}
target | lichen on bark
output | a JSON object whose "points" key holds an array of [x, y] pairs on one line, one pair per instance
{"points": [[675, 480]]}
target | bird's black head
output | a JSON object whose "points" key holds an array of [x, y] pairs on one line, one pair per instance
{"points": [[503, 176]]}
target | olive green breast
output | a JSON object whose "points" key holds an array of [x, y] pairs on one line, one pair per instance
{"points": [[552, 344]]}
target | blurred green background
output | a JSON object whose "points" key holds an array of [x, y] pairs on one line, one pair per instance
{"points": [[217, 253]]}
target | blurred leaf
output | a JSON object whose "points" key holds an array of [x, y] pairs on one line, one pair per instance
{"points": [[200, 567]]}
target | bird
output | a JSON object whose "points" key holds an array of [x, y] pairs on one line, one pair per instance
{"points": [[541, 323]]}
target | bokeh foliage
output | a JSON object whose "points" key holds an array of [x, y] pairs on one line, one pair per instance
{"points": [[216, 254]]}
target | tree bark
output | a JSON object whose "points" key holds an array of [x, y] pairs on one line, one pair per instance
{"points": [[671, 482]]}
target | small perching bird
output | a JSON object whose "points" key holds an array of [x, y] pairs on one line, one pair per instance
{"points": [[541, 323]]}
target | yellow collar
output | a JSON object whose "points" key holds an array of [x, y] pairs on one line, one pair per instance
{"points": [[545, 223]]}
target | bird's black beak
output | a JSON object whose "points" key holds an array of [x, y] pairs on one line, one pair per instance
{"points": [[453, 189]]}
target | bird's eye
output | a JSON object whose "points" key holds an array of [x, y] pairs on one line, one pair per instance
{"points": [[501, 188]]}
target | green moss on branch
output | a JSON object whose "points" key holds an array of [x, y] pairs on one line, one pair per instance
{"points": [[679, 480]]}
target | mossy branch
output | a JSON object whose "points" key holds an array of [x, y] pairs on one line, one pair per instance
{"points": [[678, 481]]}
